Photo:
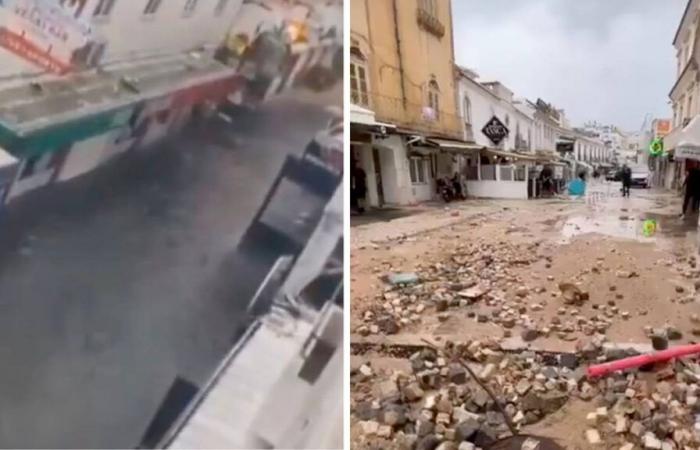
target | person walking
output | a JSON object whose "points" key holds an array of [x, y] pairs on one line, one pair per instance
{"points": [[577, 187], [626, 177], [691, 186]]}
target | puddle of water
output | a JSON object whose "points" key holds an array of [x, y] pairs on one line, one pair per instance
{"points": [[629, 226]]}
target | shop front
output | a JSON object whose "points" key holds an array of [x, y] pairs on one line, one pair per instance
{"points": [[501, 174], [57, 152]]}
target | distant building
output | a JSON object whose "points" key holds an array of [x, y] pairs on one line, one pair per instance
{"points": [[615, 142]]}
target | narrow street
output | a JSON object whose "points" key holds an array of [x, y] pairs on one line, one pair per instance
{"points": [[107, 282], [511, 283]]}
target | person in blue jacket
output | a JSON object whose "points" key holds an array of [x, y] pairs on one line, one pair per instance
{"points": [[577, 186]]}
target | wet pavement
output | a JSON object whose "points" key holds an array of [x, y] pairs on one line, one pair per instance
{"points": [[646, 216], [108, 284]]}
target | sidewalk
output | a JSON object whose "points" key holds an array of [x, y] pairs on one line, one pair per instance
{"points": [[415, 220]]}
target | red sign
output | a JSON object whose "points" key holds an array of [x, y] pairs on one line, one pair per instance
{"points": [[662, 127], [25, 49]]}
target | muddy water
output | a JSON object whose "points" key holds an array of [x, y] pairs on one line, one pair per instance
{"points": [[608, 214]]}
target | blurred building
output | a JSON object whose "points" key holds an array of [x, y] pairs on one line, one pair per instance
{"points": [[278, 44], [84, 80]]}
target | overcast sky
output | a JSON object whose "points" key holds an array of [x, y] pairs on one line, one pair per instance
{"points": [[606, 60]]}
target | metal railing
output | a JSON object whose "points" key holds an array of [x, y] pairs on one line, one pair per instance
{"points": [[413, 116]]}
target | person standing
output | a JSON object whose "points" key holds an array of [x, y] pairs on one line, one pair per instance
{"points": [[691, 186], [577, 187], [359, 187], [626, 177]]}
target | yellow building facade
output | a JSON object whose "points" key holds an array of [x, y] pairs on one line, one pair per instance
{"points": [[402, 64]]}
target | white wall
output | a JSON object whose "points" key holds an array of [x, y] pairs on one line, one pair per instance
{"points": [[132, 34], [497, 189], [485, 105]]}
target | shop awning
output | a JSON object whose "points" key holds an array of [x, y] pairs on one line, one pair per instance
{"points": [[364, 116], [454, 146], [505, 154], [688, 146]]}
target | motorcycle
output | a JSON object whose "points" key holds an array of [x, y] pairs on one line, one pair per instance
{"points": [[446, 190]]}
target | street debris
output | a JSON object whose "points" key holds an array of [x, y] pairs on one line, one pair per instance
{"points": [[549, 340]]}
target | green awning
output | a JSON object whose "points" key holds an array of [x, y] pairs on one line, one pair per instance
{"points": [[57, 136]]}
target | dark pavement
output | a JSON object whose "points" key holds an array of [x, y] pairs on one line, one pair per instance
{"points": [[108, 283]]}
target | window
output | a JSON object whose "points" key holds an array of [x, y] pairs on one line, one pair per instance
{"points": [[467, 110], [418, 167], [76, 5], [359, 88], [152, 6], [104, 8], [220, 7], [190, 6], [434, 98], [689, 109]]}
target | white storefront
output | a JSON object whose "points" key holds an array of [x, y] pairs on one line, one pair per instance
{"points": [[497, 172]]}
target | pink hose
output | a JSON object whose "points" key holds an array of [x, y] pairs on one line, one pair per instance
{"points": [[641, 360]]}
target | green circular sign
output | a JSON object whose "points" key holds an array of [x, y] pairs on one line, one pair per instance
{"points": [[649, 227], [656, 148]]}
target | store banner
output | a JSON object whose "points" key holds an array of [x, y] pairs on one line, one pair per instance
{"points": [[43, 32]]}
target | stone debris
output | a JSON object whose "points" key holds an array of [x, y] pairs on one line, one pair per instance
{"points": [[433, 403]]}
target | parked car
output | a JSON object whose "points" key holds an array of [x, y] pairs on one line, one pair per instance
{"points": [[613, 175], [640, 177]]}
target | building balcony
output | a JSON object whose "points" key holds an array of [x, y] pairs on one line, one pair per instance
{"points": [[430, 23], [412, 116]]}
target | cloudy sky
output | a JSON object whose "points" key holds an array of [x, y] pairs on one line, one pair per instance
{"points": [[606, 60]]}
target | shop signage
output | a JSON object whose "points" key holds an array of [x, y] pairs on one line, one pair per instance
{"points": [[27, 50], [495, 130], [662, 127], [43, 32], [688, 152]]}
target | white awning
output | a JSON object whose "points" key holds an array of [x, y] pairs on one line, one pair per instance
{"points": [[688, 146], [450, 145], [364, 116], [507, 154]]}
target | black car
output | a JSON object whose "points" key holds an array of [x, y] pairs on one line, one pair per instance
{"points": [[613, 175]]}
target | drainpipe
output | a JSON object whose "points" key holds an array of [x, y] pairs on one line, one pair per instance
{"points": [[398, 51]]}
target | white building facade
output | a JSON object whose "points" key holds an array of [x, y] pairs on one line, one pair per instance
{"points": [[480, 102], [684, 98]]}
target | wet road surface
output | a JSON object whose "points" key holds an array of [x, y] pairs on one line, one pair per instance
{"points": [[608, 213], [106, 282]]}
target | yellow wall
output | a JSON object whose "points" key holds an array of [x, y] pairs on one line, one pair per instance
{"points": [[423, 55]]}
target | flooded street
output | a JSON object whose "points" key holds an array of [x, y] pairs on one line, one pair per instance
{"points": [[548, 276], [107, 283]]}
